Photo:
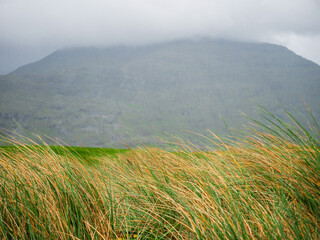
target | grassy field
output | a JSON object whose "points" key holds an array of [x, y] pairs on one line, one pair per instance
{"points": [[264, 186], [88, 155]]}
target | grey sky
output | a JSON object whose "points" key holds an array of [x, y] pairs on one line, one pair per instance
{"points": [[30, 29]]}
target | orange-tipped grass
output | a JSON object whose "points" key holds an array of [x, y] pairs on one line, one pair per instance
{"points": [[244, 191], [267, 187], [40, 188]]}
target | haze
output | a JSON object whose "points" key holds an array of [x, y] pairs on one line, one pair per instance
{"points": [[31, 29]]}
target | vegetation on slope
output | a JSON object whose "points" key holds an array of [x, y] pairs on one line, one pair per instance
{"points": [[87, 154], [266, 187]]}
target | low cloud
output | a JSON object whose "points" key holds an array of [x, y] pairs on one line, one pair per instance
{"points": [[62, 23]]}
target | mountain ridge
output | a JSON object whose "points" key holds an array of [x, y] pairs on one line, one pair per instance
{"points": [[68, 49], [99, 96]]}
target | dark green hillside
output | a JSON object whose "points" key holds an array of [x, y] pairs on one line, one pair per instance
{"points": [[99, 97]]}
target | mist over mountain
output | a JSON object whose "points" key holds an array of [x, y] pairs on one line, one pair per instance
{"points": [[107, 96]]}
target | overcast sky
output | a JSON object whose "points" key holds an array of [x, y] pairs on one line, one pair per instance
{"points": [[31, 29]]}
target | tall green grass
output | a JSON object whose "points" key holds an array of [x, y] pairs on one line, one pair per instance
{"points": [[265, 187]]}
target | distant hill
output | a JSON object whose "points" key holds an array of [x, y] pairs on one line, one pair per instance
{"points": [[106, 96]]}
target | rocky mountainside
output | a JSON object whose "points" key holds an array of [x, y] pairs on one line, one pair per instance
{"points": [[115, 95]]}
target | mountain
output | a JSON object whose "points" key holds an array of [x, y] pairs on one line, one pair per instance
{"points": [[107, 96]]}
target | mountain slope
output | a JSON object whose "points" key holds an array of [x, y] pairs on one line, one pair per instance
{"points": [[94, 97]]}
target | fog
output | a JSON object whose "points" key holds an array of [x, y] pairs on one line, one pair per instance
{"points": [[31, 29]]}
